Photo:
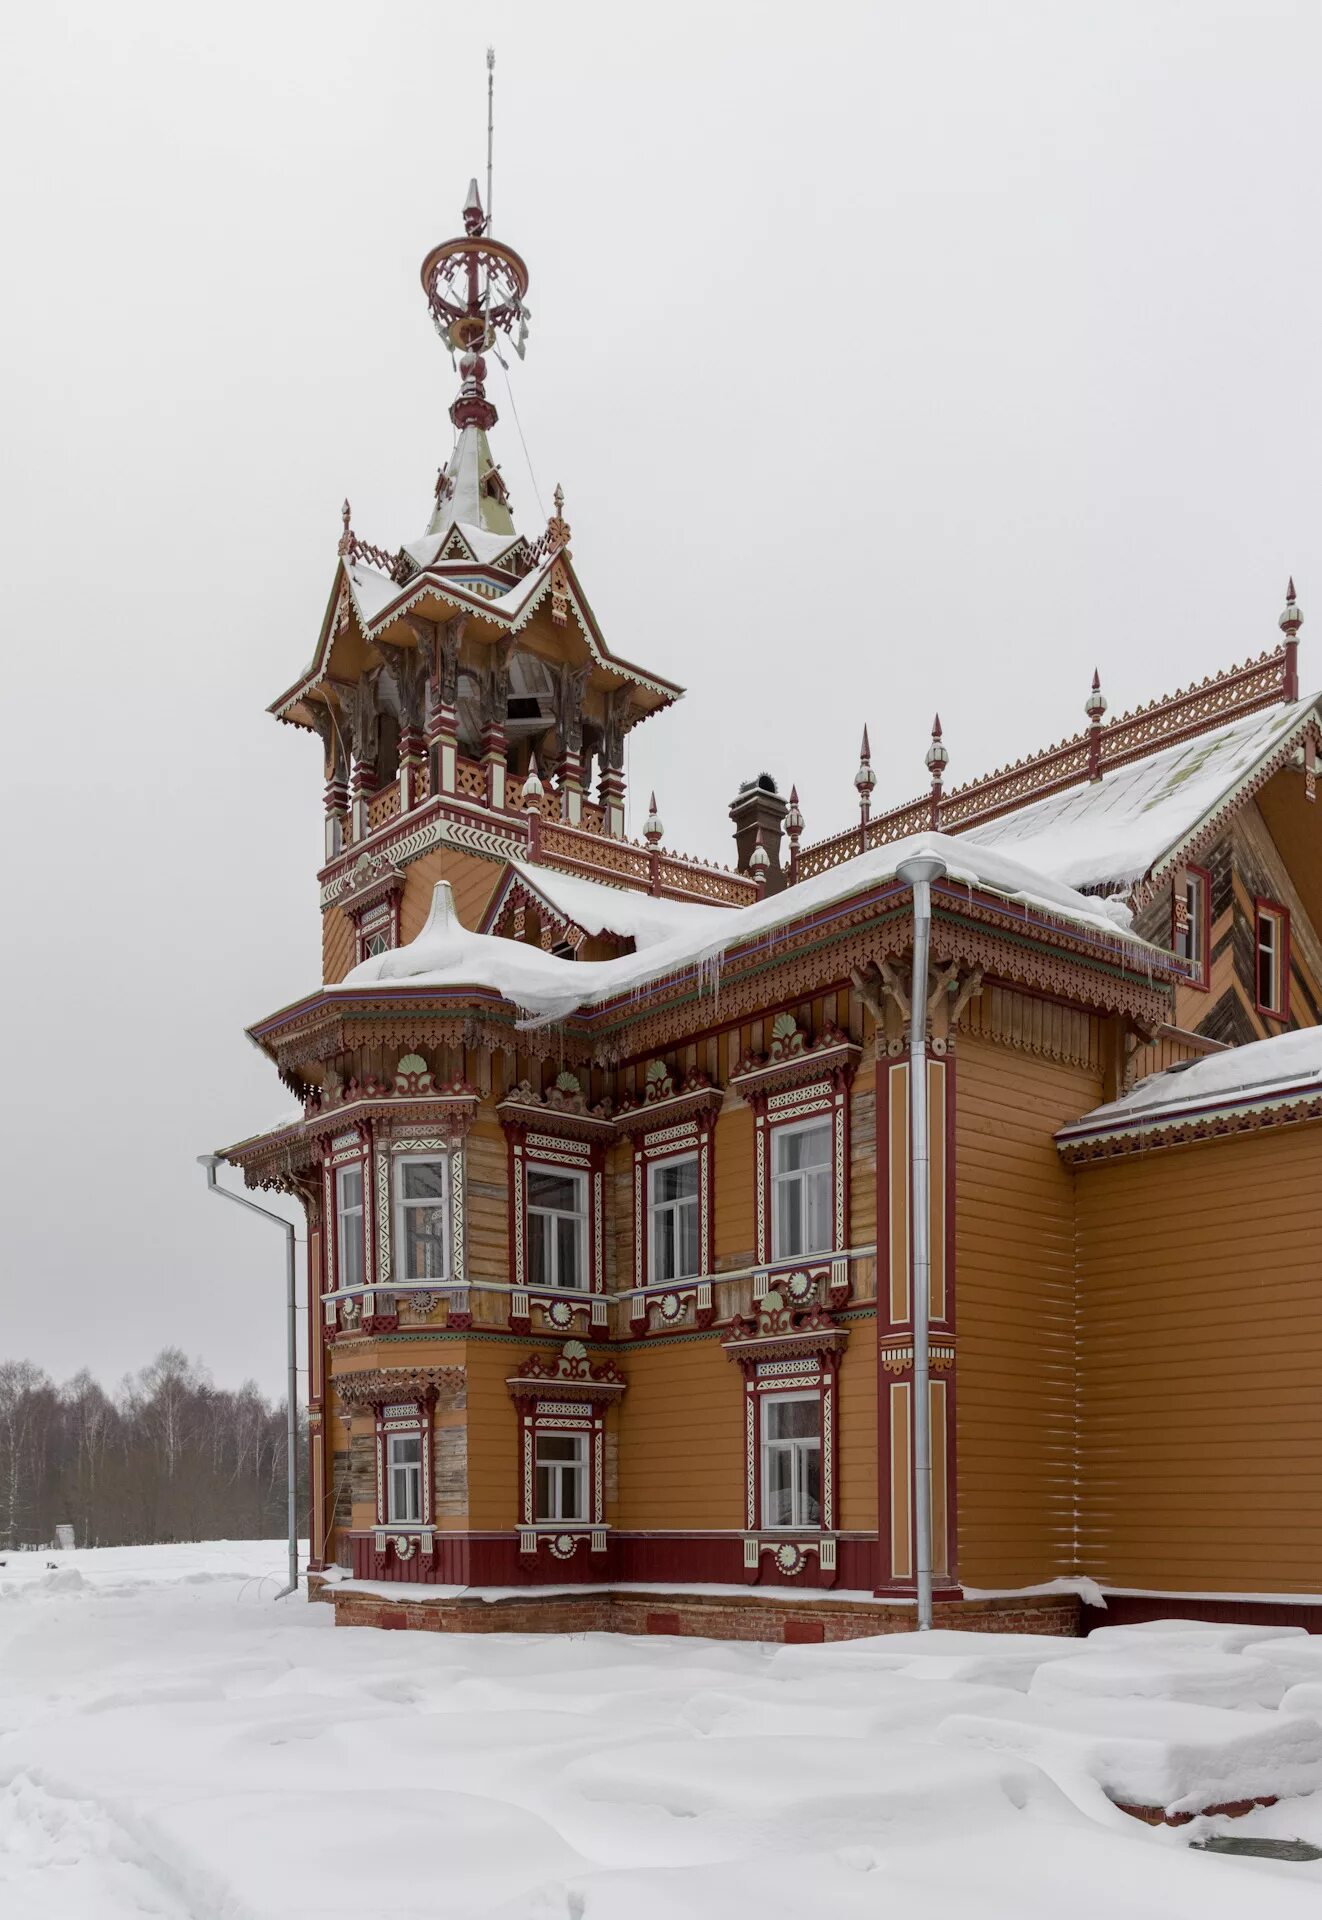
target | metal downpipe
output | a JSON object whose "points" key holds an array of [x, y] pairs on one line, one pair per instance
{"points": [[919, 873], [211, 1161]]}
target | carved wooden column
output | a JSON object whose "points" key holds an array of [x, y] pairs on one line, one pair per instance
{"points": [[611, 788], [366, 738], [495, 704], [408, 669], [337, 777], [443, 706], [569, 719]]}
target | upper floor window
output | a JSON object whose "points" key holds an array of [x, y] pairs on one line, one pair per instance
{"points": [[374, 944], [404, 1477], [791, 1460], [673, 1207], [1272, 952], [1193, 921], [562, 1476], [349, 1225], [557, 1227], [423, 1191], [802, 1218]]}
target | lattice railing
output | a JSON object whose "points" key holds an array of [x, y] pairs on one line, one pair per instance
{"points": [[383, 807], [1179, 716]]}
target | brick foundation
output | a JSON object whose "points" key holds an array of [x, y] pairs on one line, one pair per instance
{"points": [[765, 1615]]}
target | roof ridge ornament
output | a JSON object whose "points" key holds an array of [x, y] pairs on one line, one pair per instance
{"points": [[1292, 618]]}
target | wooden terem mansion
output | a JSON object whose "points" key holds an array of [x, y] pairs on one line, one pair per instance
{"points": [[605, 1152]]}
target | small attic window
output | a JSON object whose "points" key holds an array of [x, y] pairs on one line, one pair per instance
{"points": [[563, 951]]}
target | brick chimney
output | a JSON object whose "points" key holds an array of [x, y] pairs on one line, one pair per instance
{"points": [[758, 807]]}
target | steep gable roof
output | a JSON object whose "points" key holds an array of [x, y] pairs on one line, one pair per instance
{"points": [[1135, 823]]}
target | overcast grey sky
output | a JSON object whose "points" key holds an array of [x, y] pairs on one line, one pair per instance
{"points": [[890, 356]]}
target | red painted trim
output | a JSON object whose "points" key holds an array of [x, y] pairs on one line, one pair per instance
{"points": [[951, 1378], [493, 1559], [1260, 907], [883, 1124]]}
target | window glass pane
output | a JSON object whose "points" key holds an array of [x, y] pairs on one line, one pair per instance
{"points": [[789, 1219], [687, 1252], [810, 1486], [544, 1494], [779, 1486], [675, 1180], [573, 1504], [557, 1446], [567, 1232], [802, 1147], [817, 1228], [539, 1240], [790, 1419], [351, 1187], [424, 1179], [557, 1190]]}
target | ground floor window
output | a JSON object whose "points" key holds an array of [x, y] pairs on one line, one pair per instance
{"points": [[404, 1477], [562, 1476], [792, 1460]]}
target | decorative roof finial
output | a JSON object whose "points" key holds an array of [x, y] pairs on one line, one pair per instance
{"points": [[1290, 622], [652, 826], [533, 790], [557, 527], [936, 760], [793, 832], [759, 862], [865, 779], [1095, 706], [346, 538]]}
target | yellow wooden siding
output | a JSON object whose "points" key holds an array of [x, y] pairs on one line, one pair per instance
{"points": [[681, 1459], [857, 1505], [734, 1202], [1201, 1344], [493, 1432], [1015, 1312]]}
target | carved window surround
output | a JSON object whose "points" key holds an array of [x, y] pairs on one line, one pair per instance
{"points": [[557, 1131], [788, 1351], [563, 1394], [371, 900], [799, 1079], [402, 1401], [662, 1128], [376, 1128]]}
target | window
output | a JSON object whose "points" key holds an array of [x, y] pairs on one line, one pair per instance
{"points": [[1272, 946], [374, 944], [349, 1225], [791, 1460], [562, 1476], [801, 1190], [557, 1228], [404, 1477], [673, 1203], [1193, 923], [422, 1192]]}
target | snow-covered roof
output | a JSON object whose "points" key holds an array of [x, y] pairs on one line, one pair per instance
{"points": [[447, 954], [1114, 831], [598, 908], [1286, 1068]]}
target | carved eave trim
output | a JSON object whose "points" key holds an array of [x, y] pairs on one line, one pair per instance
{"points": [[1080, 1147], [645, 1117], [799, 1344], [376, 1386], [1209, 829], [451, 1113], [591, 1393], [563, 1122], [797, 1070], [355, 901]]}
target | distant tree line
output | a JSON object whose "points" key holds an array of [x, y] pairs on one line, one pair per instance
{"points": [[169, 1456]]}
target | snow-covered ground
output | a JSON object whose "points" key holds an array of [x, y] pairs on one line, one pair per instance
{"points": [[174, 1743]]}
